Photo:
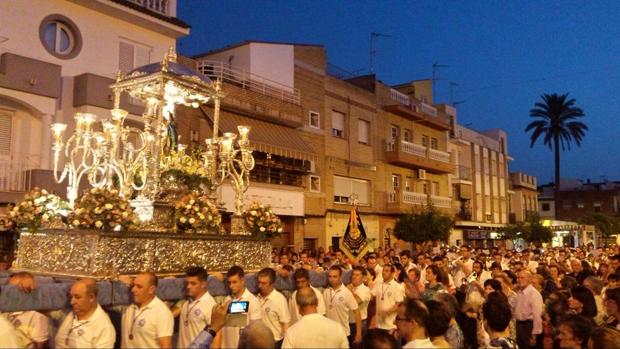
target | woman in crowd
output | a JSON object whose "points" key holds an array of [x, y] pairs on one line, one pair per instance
{"points": [[454, 335], [604, 338], [497, 316], [574, 332], [438, 323], [557, 273], [581, 302], [612, 307], [434, 282]]}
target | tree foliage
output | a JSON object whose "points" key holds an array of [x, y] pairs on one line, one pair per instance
{"points": [[426, 225], [531, 230], [604, 224]]}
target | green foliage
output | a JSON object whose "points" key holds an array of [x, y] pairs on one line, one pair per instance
{"points": [[427, 225], [604, 224], [531, 231]]}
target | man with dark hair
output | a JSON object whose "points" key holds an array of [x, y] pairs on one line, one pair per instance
{"points": [[195, 312], [405, 260], [147, 323], [411, 320], [236, 284], [377, 338], [274, 307], [362, 296], [497, 317], [88, 325], [388, 294], [341, 304], [302, 279]]}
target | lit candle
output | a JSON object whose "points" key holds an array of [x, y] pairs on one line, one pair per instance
{"points": [[244, 131], [57, 130], [89, 119], [227, 143], [79, 122]]}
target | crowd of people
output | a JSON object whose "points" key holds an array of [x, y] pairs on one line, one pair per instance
{"points": [[431, 296]]}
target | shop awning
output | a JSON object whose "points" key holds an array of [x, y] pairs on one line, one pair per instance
{"points": [[270, 138]]}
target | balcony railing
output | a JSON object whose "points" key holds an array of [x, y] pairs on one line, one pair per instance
{"points": [[400, 97], [441, 201], [419, 150], [247, 80], [14, 174], [159, 6], [428, 109], [407, 197]]}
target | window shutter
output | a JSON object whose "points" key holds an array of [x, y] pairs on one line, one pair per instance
{"points": [[337, 120], [342, 186], [125, 57], [143, 55], [361, 189], [6, 127], [362, 131]]}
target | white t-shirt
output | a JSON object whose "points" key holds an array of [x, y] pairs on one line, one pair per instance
{"points": [[388, 294], [294, 310], [363, 292], [274, 312], [142, 327], [8, 335], [230, 335], [31, 327], [315, 331], [95, 332], [419, 343], [340, 302], [195, 315]]}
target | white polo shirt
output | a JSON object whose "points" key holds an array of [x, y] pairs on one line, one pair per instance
{"points": [[340, 302], [230, 335], [315, 331], [294, 309], [363, 292], [142, 327], [94, 332], [195, 315], [8, 337], [274, 311], [31, 327], [388, 294]]}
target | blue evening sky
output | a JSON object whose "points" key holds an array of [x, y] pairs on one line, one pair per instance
{"points": [[502, 54]]}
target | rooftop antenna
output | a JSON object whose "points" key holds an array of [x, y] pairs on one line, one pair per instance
{"points": [[373, 51], [453, 86], [435, 78]]}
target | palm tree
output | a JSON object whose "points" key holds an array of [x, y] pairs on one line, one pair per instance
{"points": [[557, 119]]}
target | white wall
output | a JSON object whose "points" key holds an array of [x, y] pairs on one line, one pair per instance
{"points": [[100, 33], [275, 62], [238, 57]]}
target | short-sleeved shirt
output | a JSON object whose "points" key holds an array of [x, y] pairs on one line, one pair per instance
{"points": [[295, 315], [340, 303], [315, 331], [142, 327], [274, 312], [230, 335], [94, 332], [363, 292], [8, 337], [195, 315], [31, 327], [388, 294]]}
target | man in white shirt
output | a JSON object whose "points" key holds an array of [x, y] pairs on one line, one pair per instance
{"points": [[528, 311], [32, 327], [236, 283], [362, 296], [88, 326], [388, 294], [410, 321], [147, 323], [274, 307], [340, 303], [313, 330], [464, 265], [302, 279], [405, 260], [196, 312]]}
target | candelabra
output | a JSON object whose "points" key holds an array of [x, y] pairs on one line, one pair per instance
{"points": [[80, 152], [227, 159]]}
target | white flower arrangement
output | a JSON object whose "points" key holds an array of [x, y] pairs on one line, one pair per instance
{"points": [[197, 212], [102, 209], [39, 207], [260, 220]]}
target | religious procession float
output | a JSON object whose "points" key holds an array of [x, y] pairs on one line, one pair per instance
{"points": [[137, 199]]}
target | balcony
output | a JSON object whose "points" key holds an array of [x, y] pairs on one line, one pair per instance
{"points": [[463, 173], [413, 156], [400, 201], [159, 6], [441, 201], [415, 110]]}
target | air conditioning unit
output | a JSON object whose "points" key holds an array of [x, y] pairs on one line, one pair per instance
{"points": [[421, 173]]}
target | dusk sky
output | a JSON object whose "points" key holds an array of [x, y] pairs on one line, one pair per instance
{"points": [[502, 54]]}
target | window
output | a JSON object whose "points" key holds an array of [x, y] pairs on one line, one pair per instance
{"points": [[580, 205], [407, 135], [598, 206], [434, 188], [566, 204], [337, 124], [409, 183], [315, 184], [344, 187], [132, 55], [314, 119], [394, 132], [434, 144], [363, 129], [395, 182], [546, 206], [6, 131], [60, 36], [425, 140]]}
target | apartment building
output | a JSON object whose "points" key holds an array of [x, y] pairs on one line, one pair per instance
{"points": [[480, 185], [523, 197], [58, 57]]}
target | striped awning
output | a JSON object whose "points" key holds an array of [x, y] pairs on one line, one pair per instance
{"points": [[270, 138]]}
